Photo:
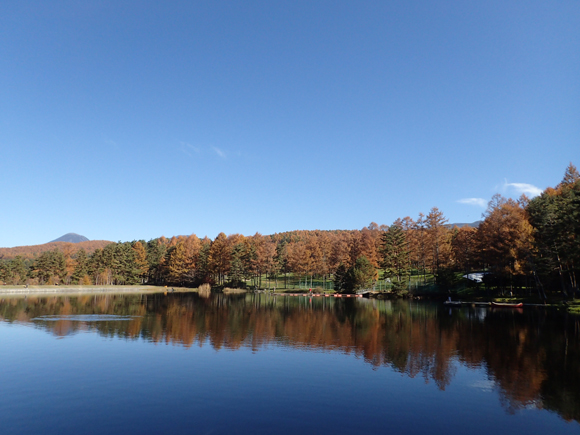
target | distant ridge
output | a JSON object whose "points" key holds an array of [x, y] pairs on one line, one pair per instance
{"points": [[459, 225], [71, 238], [33, 251]]}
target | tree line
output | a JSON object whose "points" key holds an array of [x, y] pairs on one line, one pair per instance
{"points": [[521, 245], [33, 251]]}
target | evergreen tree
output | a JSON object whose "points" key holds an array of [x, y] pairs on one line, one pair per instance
{"points": [[395, 257], [237, 268], [155, 256], [124, 267], [81, 268], [14, 271], [340, 283], [555, 217], [250, 261], [203, 272], [50, 265], [361, 275]]}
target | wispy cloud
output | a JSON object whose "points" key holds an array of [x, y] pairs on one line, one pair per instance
{"points": [[192, 150], [189, 149], [219, 152], [519, 188], [479, 202], [110, 142]]}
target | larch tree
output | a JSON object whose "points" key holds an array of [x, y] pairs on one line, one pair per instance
{"points": [[299, 258], [421, 243], [70, 263], [438, 240], [339, 251], [325, 245], [505, 236], [176, 263], [141, 260], [464, 247], [219, 258]]}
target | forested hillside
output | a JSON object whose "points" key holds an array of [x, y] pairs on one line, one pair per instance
{"points": [[521, 246], [32, 251]]}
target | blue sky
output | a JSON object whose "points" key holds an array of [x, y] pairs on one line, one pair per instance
{"points": [[124, 120]]}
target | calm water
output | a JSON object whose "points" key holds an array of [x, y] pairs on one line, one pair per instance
{"points": [[258, 364]]}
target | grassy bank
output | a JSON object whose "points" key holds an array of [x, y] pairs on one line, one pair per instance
{"points": [[83, 289]]}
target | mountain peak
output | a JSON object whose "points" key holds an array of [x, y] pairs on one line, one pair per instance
{"points": [[71, 238]]}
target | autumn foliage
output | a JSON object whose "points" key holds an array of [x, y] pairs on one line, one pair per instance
{"points": [[521, 245], [33, 251]]}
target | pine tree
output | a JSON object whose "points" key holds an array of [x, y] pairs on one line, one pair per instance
{"points": [[340, 283], [395, 257], [50, 265], [81, 268], [156, 251], [202, 273], [555, 216], [361, 275], [237, 267]]}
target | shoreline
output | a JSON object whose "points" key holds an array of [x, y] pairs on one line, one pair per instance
{"points": [[85, 289]]}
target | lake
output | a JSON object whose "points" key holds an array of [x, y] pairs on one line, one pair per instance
{"points": [[254, 363]]}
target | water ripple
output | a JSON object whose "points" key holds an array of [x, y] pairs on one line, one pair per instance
{"points": [[86, 318]]}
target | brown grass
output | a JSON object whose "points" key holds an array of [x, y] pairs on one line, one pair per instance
{"points": [[204, 290]]}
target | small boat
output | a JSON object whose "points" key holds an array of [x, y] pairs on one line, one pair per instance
{"points": [[452, 303], [506, 305]]}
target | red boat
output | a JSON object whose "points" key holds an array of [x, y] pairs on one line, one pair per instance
{"points": [[506, 305]]}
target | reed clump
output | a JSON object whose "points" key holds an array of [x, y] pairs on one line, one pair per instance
{"points": [[204, 290]]}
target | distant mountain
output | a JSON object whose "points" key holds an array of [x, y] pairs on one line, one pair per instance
{"points": [[459, 225], [71, 238]]}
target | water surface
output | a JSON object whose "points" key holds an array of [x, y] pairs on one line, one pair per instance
{"points": [[179, 363]]}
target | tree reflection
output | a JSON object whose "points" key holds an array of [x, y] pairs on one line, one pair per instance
{"points": [[531, 356]]}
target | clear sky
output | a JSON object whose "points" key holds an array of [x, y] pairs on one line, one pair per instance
{"points": [[123, 120]]}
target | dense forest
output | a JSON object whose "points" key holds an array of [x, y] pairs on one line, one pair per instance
{"points": [[521, 246]]}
